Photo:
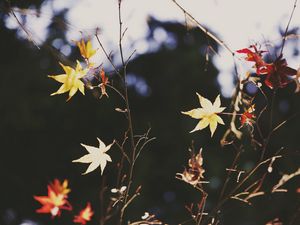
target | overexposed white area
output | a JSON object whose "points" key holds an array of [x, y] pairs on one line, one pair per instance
{"points": [[237, 22], [28, 222]]}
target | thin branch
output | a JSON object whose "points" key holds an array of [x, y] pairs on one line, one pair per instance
{"points": [[215, 38], [116, 90], [249, 174], [235, 104], [121, 34], [287, 27], [233, 166], [119, 180], [130, 124], [129, 58], [128, 202], [142, 147], [202, 207], [261, 112], [107, 56], [283, 123], [285, 178], [22, 26], [142, 137], [266, 141], [122, 150]]}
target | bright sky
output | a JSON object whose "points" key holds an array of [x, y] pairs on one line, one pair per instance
{"points": [[237, 22]]}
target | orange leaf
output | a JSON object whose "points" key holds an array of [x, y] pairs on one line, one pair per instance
{"points": [[85, 215]]}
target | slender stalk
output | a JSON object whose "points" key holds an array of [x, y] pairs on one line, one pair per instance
{"points": [[266, 141], [11, 11], [215, 38], [260, 113], [284, 122], [230, 114], [125, 97], [233, 165], [116, 90], [202, 208], [108, 57], [130, 124], [234, 104], [287, 27]]}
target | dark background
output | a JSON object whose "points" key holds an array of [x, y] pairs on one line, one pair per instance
{"points": [[40, 135]]}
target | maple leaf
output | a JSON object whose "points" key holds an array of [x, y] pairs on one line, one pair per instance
{"points": [[278, 74], [53, 203], [60, 188], [207, 114], [248, 116], [255, 56], [194, 173], [85, 215], [86, 49], [104, 82], [70, 80], [96, 157]]}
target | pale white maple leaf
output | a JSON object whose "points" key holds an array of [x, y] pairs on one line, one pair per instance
{"points": [[96, 157], [208, 114]]}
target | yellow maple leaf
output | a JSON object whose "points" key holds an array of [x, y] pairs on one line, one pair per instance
{"points": [[70, 80], [86, 49], [207, 114], [96, 157]]}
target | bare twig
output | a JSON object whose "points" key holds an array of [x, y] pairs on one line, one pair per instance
{"points": [[23, 26], [287, 27], [285, 178], [283, 123], [129, 58], [233, 166], [130, 125], [214, 37], [266, 141], [122, 150], [107, 56], [248, 175], [116, 90]]}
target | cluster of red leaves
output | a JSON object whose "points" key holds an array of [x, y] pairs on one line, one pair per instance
{"points": [[57, 200], [277, 73]]}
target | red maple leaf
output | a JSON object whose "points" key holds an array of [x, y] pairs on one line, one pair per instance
{"points": [[85, 215], [248, 116], [255, 56], [53, 203], [104, 82], [278, 74]]}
